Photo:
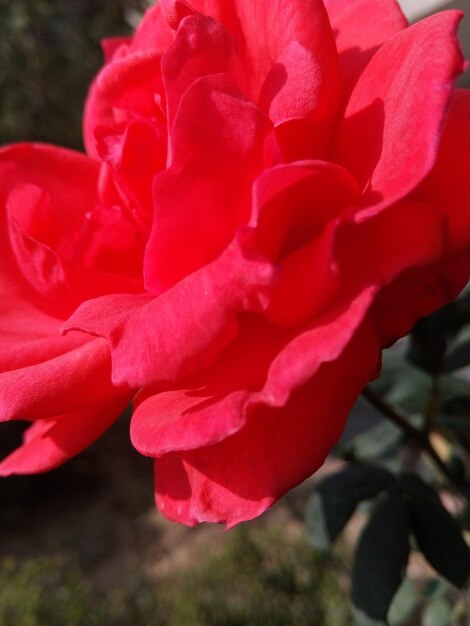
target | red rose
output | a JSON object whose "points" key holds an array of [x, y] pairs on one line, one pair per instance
{"points": [[273, 192]]}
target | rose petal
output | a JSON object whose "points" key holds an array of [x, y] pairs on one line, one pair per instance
{"points": [[62, 284], [274, 450], [447, 186], [221, 398], [57, 171], [444, 191], [106, 316], [183, 328], [395, 313], [132, 82], [400, 99], [294, 221], [122, 149], [222, 152], [39, 368], [114, 45], [303, 86], [212, 407], [50, 443], [61, 384], [309, 278], [175, 11], [376, 251], [153, 32], [30, 335], [264, 29], [293, 204], [360, 27], [201, 48], [98, 110], [49, 194]]}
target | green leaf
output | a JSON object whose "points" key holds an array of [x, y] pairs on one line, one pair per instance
{"points": [[441, 342], [381, 557], [459, 355], [454, 395], [409, 388], [414, 486], [458, 424], [362, 619], [437, 533], [428, 340], [402, 384], [404, 603], [336, 498], [451, 387], [457, 405], [437, 612], [379, 442]]}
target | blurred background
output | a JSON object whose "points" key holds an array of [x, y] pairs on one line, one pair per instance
{"points": [[84, 545]]}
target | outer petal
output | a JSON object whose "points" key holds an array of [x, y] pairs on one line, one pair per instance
{"points": [[211, 404], [360, 27], [402, 251], [447, 186], [376, 251], [290, 426], [29, 336], [51, 199], [181, 329], [49, 443], [432, 287], [264, 413], [446, 190], [68, 382], [205, 194], [43, 374], [400, 99], [62, 283], [58, 171]]}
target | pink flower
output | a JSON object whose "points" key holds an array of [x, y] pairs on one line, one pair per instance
{"points": [[273, 192]]}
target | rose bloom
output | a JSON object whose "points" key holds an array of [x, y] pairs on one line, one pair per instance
{"points": [[273, 191]]}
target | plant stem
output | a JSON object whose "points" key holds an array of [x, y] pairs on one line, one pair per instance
{"points": [[419, 437]]}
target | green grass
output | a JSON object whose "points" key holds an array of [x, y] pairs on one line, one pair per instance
{"points": [[257, 578], [42, 591]]}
